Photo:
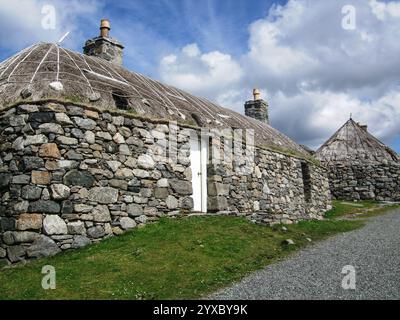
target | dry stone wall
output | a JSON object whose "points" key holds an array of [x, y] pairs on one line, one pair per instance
{"points": [[365, 180], [71, 176]]}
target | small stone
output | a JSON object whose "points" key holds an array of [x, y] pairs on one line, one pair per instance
{"points": [[101, 214], [49, 150], [79, 178], [145, 162], [117, 231], [29, 221], [172, 202], [90, 137], [284, 229], [140, 173], [114, 165], [67, 141], [142, 219], [92, 114], [72, 155], [87, 124], [31, 192], [104, 135], [16, 253], [51, 128], [163, 183], [161, 193], [44, 206], [76, 228], [31, 163], [60, 191], [124, 150], [34, 140], [53, 224], [41, 177], [63, 118], [103, 195], [21, 179], [127, 223], [3, 252], [289, 242], [118, 138], [134, 210], [5, 179], [309, 239], [80, 241], [83, 208], [181, 187], [96, 232]]}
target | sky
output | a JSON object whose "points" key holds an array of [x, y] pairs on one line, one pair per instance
{"points": [[316, 62]]}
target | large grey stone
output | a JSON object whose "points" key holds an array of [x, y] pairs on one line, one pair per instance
{"points": [[51, 128], [76, 228], [134, 210], [34, 140], [16, 253], [42, 247], [87, 124], [53, 224], [12, 237], [181, 187], [5, 179], [145, 162], [103, 195], [101, 214], [31, 192], [172, 202], [32, 163], [60, 191], [96, 232], [44, 206], [79, 178], [127, 223], [80, 242]]}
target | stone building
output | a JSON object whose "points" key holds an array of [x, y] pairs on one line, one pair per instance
{"points": [[360, 166], [89, 149]]}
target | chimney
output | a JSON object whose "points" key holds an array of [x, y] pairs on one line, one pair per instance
{"points": [[364, 127], [104, 46], [257, 108]]}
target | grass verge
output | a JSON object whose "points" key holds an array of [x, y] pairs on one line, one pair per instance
{"points": [[173, 259]]}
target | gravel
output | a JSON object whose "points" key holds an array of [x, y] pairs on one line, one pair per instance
{"points": [[315, 272]]}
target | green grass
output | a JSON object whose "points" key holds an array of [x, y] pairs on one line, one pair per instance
{"points": [[365, 208], [172, 259]]}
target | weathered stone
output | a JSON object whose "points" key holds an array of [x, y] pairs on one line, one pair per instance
{"points": [[7, 224], [119, 184], [186, 203], [114, 165], [80, 241], [31, 163], [87, 124], [21, 179], [16, 253], [124, 150], [118, 138], [218, 189], [101, 214], [103, 195], [141, 173], [82, 208], [124, 173], [171, 202], [79, 178], [160, 193], [67, 141], [12, 237], [43, 247], [117, 231], [289, 242], [96, 232], [51, 128], [3, 253], [76, 228], [72, 155], [127, 223], [90, 137], [104, 135], [29, 221], [63, 118], [60, 191], [53, 224], [34, 140], [134, 210], [44, 206], [181, 187], [92, 114], [217, 203], [145, 162], [5, 179], [41, 177], [142, 219], [163, 183], [49, 150]]}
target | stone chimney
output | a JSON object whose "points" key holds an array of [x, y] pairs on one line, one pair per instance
{"points": [[104, 46], [257, 108]]}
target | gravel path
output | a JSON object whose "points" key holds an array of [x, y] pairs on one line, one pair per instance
{"points": [[315, 272]]}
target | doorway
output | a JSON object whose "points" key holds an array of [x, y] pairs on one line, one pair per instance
{"points": [[198, 160]]}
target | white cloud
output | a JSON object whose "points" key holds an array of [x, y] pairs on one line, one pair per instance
{"points": [[312, 71]]}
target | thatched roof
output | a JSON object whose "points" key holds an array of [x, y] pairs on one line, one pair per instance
{"points": [[96, 82], [352, 142]]}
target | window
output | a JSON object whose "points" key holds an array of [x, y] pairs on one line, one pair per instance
{"points": [[121, 102], [305, 171]]}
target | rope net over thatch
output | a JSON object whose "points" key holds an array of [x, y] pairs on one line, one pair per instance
{"points": [[47, 70], [353, 143]]}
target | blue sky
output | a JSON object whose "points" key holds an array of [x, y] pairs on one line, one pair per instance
{"points": [[312, 72]]}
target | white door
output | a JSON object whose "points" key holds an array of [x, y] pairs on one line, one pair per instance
{"points": [[198, 160]]}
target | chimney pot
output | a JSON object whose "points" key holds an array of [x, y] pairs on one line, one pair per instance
{"points": [[256, 94], [105, 28]]}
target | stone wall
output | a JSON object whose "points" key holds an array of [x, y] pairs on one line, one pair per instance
{"points": [[276, 191], [71, 176], [365, 181]]}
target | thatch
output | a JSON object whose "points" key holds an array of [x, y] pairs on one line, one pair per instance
{"points": [[94, 81], [353, 143]]}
